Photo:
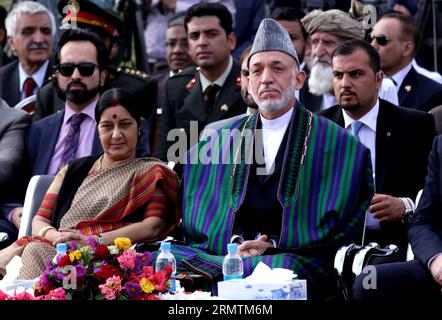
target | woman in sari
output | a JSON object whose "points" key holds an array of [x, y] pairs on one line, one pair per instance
{"points": [[110, 196]]}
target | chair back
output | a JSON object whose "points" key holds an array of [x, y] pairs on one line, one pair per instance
{"points": [[37, 187]]}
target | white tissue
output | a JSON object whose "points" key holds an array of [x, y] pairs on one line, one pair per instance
{"points": [[264, 274]]}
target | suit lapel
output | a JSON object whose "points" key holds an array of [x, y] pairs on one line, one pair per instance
{"points": [[407, 85], [194, 102], [11, 86], [229, 94], [384, 143], [47, 146], [309, 100]]}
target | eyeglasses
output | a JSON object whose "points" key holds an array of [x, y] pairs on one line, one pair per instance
{"points": [[86, 69], [381, 39]]}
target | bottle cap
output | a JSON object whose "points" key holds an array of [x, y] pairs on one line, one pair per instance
{"points": [[62, 247], [232, 248], [165, 246]]}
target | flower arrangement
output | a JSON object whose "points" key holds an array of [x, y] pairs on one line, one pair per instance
{"points": [[99, 272]]}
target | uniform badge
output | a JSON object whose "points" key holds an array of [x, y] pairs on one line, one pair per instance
{"points": [[224, 107], [407, 88], [388, 134], [191, 83]]}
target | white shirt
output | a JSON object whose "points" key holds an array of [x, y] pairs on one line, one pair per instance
{"points": [[387, 92], [272, 134], [38, 76], [367, 136], [399, 76], [220, 81]]}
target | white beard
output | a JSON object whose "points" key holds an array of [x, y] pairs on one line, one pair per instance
{"points": [[321, 79], [271, 106]]}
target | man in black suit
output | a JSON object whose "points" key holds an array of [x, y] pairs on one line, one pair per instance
{"points": [[399, 140], [395, 36], [30, 27], [420, 278], [198, 96]]}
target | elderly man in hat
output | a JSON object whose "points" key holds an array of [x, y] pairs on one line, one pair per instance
{"points": [[291, 188], [327, 30], [85, 15]]}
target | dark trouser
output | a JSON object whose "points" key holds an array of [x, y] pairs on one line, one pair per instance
{"points": [[11, 230], [398, 281]]}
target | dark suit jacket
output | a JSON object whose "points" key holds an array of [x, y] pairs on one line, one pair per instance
{"points": [[42, 137], [419, 92], [425, 232], [9, 82], [185, 103], [403, 143]]}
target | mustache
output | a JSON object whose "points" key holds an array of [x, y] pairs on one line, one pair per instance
{"points": [[323, 59], [76, 83], [38, 46]]}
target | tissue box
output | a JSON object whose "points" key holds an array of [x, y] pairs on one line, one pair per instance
{"points": [[242, 289]]}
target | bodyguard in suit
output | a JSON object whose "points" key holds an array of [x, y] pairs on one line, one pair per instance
{"points": [[30, 27], [399, 140], [396, 36], [12, 130], [420, 278], [206, 93]]}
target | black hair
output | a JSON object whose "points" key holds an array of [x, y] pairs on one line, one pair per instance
{"points": [[176, 20], [118, 96], [211, 9], [289, 14], [348, 47], [82, 35]]}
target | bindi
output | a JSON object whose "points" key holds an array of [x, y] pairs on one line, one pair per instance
{"points": [[114, 116]]}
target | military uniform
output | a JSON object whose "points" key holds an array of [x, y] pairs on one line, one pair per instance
{"points": [[140, 84], [185, 103]]}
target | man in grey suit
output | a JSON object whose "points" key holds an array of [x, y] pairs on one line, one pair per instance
{"points": [[12, 129]]}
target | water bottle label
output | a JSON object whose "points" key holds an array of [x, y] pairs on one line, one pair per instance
{"points": [[172, 283], [232, 276]]}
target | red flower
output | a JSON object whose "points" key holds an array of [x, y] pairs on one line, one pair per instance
{"points": [[64, 261], [3, 296], [101, 252], [106, 271]]}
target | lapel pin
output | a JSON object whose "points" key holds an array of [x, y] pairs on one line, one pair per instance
{"points": [[388, 134], [407, 88], [191, 83], [224, 107]]}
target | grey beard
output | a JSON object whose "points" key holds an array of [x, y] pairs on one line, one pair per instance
{"points": [[320, 80], [271, 106]]}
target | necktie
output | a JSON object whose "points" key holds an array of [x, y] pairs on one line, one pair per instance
{"points": [[28, 89], [355, 126], [71, 141], [210, 95]]}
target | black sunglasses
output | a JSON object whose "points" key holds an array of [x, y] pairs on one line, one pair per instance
{"points": [[86, 69], [381, 39]]}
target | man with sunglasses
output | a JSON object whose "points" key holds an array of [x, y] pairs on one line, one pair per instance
{"points": [[399, 140], [30, 27], [86, 15], [395, 36], [327, 30]]}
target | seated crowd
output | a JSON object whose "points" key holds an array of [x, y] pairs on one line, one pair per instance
{"points": [[319, 137]]}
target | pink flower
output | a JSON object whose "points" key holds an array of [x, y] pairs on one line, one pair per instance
{"points": [[58, 294], [127, 259], [111, 288], [3, 296]]}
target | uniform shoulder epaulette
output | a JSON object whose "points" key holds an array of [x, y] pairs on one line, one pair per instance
{"points": [[188, 72], [133, 72]]}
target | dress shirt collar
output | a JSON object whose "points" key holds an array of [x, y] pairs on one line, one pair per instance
{"points": [[279, 123], [89, 111], [369, 119], [38, 76], [399, 76], [220, 81]]}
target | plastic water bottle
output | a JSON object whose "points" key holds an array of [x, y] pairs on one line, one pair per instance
{"points": [[61, 251], [166, 258], [232, 265]]}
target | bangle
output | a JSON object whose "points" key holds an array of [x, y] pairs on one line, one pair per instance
{"points": [[44, 230]]}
